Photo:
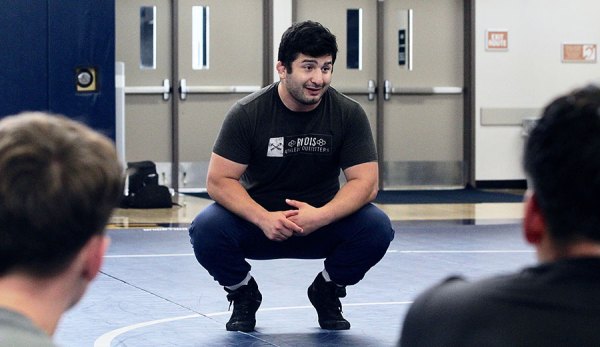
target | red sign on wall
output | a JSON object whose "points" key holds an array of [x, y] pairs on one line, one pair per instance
{"points": [[496, 40], [579, 53]]}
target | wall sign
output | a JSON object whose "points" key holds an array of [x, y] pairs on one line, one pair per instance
{"points": [[579, 53], [496, 40]]}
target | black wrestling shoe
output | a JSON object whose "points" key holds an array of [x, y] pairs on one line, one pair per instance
{"points": [[246, 301], [324, 296]]}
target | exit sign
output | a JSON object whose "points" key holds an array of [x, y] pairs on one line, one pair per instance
{"points": [[496, 40]]}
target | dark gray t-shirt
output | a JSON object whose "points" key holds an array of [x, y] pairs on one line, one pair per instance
{"points": [[552, 304], [295, 155]]}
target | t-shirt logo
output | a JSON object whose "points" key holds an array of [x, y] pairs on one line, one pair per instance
{"points": [[299, 144], [275, 147]]}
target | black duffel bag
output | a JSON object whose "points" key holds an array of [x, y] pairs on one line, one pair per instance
{"points": [[143, 188]]}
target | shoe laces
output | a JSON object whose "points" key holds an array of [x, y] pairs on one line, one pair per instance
{"points": [[241, 299], [231, 297], [330, 297]]}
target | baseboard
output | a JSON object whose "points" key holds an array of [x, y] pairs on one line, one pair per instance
{"points": [[501, 184]]}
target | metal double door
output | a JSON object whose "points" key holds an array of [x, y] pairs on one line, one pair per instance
{"points": [[186, 62], [409, 79]]}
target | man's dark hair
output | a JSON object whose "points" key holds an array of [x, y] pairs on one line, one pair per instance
{"points": [[59, 183], [310, 38], [562, 161]]}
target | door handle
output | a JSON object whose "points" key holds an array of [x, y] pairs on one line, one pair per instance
{"points": [[223, 89], [370, 91], [387, 89], [165, 89], [438, 90], [183, 89]]}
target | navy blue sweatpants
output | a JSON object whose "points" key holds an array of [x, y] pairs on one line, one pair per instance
{"points": [[222, 242]]}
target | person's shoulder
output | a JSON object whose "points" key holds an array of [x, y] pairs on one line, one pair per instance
{"points": [[341, 98], [258, 96], [18, 330], [457, 293], [446, 304], [453, 286]]}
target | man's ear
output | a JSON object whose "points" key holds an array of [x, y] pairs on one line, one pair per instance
{"points": [[94, 252], [534, 225], [281, 71]]}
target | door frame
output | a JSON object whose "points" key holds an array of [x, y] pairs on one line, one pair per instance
{"points": [[468, 92]]}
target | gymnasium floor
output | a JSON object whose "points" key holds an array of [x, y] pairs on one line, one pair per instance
{"points": [[152, 292]]}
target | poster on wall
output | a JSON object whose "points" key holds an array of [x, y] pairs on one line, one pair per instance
{"points": [[496, 40], [579, 53]]}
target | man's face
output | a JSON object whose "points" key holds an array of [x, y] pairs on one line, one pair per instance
{"points": [[308, 80]]}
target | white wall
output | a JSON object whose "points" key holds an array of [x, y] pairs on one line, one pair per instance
{"points": [[529, 74]]}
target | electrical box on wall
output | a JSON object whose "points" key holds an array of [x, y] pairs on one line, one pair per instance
{"points": [[86, 80]]}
